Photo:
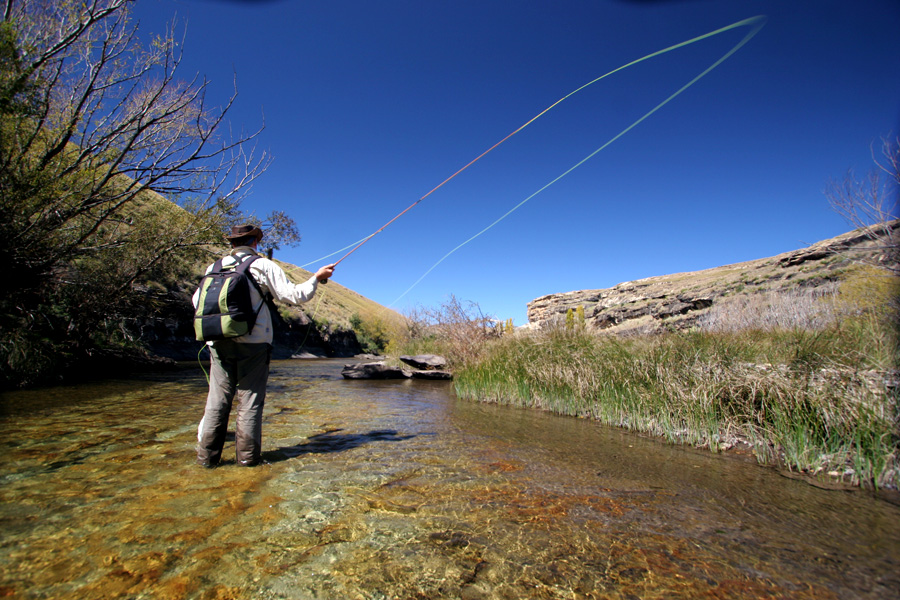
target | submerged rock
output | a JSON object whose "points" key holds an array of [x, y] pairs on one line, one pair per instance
{"points": [[307, 355]]}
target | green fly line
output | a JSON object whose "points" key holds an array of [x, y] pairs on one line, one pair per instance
{"points": [[205, 373], [755, 23]]}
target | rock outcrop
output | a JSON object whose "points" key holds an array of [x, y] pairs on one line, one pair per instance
{"points": [[426, 366], [424, 361], [668, 302]]}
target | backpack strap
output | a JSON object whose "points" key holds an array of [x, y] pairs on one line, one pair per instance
{"points": [[267, 299], [243, 266]]}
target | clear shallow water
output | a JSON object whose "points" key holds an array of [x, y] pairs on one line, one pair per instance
{"points": [[397, 489]]}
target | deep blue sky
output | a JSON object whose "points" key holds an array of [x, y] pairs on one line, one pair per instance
{"points": [[369, 105]]}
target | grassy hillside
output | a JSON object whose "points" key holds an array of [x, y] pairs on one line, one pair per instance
{"points": [[340, 317], [335, 304]]}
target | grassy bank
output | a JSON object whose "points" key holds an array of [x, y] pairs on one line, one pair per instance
{"points": [[807, 380], [804, 400]]}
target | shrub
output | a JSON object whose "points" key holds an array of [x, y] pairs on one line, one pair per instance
{"points": [[805, 308], [373, 334], [456, 330]]}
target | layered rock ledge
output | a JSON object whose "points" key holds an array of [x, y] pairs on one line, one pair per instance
{"points": [[678, 301]]}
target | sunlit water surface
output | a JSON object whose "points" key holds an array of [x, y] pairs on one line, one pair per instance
{"points": [[397, 489]]}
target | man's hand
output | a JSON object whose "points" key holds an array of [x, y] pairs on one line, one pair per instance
{"points": [[324, 273]]}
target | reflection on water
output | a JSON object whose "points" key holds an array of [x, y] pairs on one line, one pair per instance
{"points": [[396, 489]]}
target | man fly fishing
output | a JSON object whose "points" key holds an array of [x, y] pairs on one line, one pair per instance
{"points": [[233, 317]]}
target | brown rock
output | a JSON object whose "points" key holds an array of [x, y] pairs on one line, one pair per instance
{"points": [[375, 370]]}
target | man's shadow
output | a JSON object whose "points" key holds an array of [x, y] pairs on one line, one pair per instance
{"points": [[333, 441]]}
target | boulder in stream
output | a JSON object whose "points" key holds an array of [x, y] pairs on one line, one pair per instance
{"points": [[425, 361], [374, 370]]}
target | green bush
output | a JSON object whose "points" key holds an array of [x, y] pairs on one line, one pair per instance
{"points": [[373, 334]]}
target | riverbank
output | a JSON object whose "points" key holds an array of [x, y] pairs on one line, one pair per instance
{"points": [[809, 402]]}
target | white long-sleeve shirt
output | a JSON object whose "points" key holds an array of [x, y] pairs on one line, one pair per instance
{"points": [[273, 280]]}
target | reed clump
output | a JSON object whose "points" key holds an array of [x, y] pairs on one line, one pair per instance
{"points": [[817, 394]]}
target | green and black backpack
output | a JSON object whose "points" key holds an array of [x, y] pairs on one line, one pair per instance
{"points": [[225, 308]]}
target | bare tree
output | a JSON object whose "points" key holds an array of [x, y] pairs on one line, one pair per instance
{"points": [[109, 121], [457, 329], [871, 204], [93, 125]]}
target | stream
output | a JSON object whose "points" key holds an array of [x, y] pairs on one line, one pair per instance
{"points": [[399, 490]]}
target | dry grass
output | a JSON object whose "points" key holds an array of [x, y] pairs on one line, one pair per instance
{"points": [[811, 309], [336, 305]]}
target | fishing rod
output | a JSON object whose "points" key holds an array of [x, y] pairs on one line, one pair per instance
{"points": [[438, 186], [757, 22]]}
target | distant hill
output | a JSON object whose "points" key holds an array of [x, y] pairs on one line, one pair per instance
{"points": [[335, 303], [680, 300]]}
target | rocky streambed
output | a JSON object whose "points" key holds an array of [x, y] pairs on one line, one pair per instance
{"points": [[397, 489]]}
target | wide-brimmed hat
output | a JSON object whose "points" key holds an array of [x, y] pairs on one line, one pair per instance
{"points": [[242, 231]]}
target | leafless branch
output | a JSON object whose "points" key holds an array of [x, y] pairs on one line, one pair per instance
{"points": [[871, 204]]}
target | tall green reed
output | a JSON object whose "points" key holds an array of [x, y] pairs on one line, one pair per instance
{"points": [[808, 401]]}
